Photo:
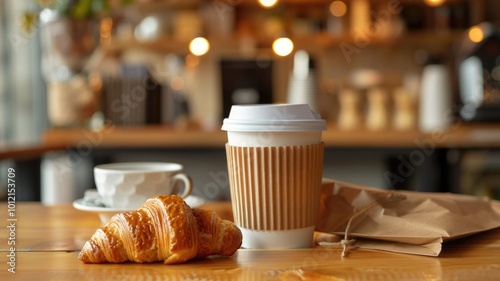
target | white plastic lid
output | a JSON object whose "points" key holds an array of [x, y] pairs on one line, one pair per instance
{"points": [[273, 118]]}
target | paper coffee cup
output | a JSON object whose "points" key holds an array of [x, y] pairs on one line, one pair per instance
{"points": [[275, 163]]}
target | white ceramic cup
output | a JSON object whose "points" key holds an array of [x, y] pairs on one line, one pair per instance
{"points": [[128, 185], [275, 161]]}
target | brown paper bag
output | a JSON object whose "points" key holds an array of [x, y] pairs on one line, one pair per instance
{"points": [[401, 221]]}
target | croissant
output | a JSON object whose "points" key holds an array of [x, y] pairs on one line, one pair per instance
{"points": [[164, 229]]}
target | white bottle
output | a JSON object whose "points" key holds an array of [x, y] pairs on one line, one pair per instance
{"points": [[302, 88], [435, 112]]}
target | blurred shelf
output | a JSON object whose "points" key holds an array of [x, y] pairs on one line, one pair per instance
{"points": [[427, 39], [28, 150], [412, 38], [165, 45], [136, 137], [458, 136]]}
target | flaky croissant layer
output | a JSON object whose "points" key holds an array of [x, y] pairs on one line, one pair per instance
{"points": [[164, 229]]}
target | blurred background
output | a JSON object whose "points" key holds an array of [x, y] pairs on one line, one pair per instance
{"points": [[410, 88]]}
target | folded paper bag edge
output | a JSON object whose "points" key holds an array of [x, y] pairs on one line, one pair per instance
{"points": [[432, 248]]}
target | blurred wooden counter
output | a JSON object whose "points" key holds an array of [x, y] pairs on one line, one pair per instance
{"points": [[28, 150], [49, 238], [458, 136], [113, 141]]}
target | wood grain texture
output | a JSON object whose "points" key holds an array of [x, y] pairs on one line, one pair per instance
{"points": [[51, 238]]}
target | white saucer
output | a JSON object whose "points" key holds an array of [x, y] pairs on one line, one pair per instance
{"points": [[105, 213]]}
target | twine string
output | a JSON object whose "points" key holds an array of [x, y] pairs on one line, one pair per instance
{"points": [[346, 243]]}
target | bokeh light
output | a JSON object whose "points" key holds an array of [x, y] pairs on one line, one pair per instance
{"points": [[283, 46], [177, 83], [434, 3], [338, 8], [268, 3], [476, 34], [199, 46]]}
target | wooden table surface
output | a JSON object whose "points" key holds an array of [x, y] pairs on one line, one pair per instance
{"points": [[48, 240]]}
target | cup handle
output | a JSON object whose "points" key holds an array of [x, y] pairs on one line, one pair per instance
{"points": [[188, 183]]}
